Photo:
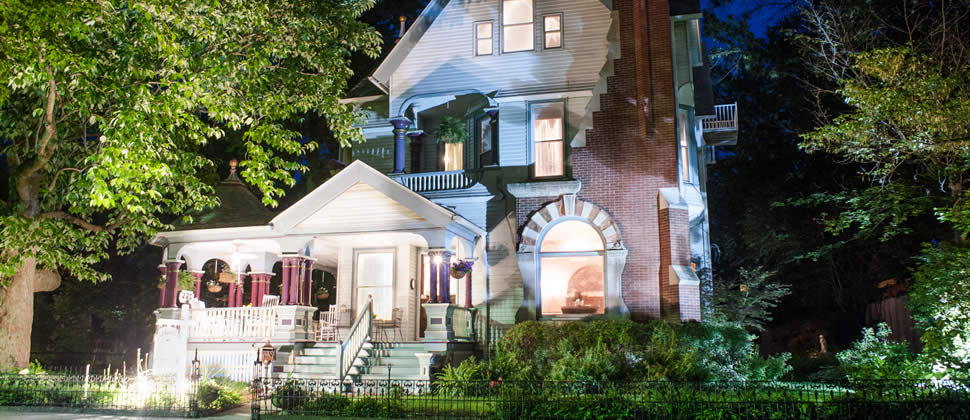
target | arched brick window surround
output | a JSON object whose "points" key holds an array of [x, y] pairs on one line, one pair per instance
{"points": [[568, 207]]}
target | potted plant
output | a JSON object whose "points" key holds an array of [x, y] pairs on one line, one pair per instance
{"points": [[461, 268], [161, 282], [186, 281], [227, 277], [323, 293], [213, 286], [451, 130]]}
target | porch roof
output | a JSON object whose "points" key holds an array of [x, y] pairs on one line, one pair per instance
{"points": [[358, 200]]}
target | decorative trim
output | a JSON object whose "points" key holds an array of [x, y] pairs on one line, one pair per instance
{"points": [[544, 188], [568, 206]]}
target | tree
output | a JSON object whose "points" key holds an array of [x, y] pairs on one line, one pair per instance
{"points": [[105, 106]]}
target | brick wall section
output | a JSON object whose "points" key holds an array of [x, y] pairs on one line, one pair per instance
{"points": [[673, 229], [624, 165], [631, 152]]}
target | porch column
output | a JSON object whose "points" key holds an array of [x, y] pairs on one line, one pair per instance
{"points": [[239, 290], [198, 282], [445, 277], [296, 277], [161, 291], [286, 280], [400, 133], [267, 278], [468, 290], [171, 283], [308, 282], [434, 255], [231, 300], [254, 287]]}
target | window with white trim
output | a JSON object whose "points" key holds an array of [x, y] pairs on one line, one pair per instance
{"points": [[483, 38], [518, 26], [552, 31], [547, 139]]}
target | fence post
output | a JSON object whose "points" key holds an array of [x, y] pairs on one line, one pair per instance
{"points": [[194, 387], [254, 389]]}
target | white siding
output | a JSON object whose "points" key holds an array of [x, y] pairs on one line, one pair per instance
{"points": [[513, 131], [443, 60]]}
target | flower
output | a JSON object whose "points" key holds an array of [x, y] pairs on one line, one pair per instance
{"points": [[462, 266]]}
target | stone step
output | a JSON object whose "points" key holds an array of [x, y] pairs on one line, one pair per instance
{"points": [[396, 371]]}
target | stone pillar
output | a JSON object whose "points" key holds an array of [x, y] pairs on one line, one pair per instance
{"points": [[400, 133], [161, 291], [198, 283], [171, 283], [444, 276], [434, 277]]}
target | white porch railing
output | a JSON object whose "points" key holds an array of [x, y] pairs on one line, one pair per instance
{"points": [[725, 118], [435, 181], [233, 323], [360, 334]]}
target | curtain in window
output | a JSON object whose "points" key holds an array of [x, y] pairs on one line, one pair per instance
{"points": [[547, 136]]}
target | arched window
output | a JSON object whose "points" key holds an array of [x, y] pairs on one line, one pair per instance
{"points": [[571, 261]]}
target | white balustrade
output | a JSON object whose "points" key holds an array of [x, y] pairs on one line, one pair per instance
{"points": [[725, 118], [227, 324], [360, 334], [435, 181], [236, 365], [367, 152]]}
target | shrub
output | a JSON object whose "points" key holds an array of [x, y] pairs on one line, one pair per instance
{"points": [[327, 405], [290, 395], [940, 302], [622, 350], [459, 380], [876, 357], [217, 396]]}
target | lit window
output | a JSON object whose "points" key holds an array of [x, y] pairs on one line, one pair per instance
{"points": [[684, 152], [517, 26], [454, 156], [375, 277], [483, 38], [571, 270], [547, 136], [552, 27]]}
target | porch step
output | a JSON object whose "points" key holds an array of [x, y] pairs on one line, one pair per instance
{"points": [[375, 361]]}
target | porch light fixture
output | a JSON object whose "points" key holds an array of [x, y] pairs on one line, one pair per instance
{"points": [[437, 260]]}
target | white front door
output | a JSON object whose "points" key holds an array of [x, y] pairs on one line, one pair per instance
{"points": [[375, 280]]}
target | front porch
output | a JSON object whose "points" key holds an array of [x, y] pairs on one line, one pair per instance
{"points": [[388, 252]]}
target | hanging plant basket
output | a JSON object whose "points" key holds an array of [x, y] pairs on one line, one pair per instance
{"points": [[323, 295], [214, 287], [227, 277], [460, 268], [161, 284], [451, 130]]}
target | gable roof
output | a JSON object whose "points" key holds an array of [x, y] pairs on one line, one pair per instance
{"points": [[354, 176], [382, 76]]}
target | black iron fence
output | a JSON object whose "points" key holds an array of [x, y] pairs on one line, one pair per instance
{"points": [[113, 394], [280, 397]]}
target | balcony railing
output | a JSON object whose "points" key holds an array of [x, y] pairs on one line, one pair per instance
{"points": [[436, 181], [226, 324], [725, 118]]}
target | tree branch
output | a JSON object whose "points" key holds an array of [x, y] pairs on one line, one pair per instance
{"points": [[79, 222], [58, 174]]}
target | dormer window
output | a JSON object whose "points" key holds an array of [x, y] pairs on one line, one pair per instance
{"points": [[483, 38], [552, 31], [518, 27]]}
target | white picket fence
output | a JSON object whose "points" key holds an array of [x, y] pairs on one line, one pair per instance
{"points": [[236, 365]]}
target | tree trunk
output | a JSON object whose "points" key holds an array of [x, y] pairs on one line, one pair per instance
{"points": [[17, 312]]}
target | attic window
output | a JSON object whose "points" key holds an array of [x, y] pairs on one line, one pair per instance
{"points": [[552, 29], [483, 38], [518, 28]]}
